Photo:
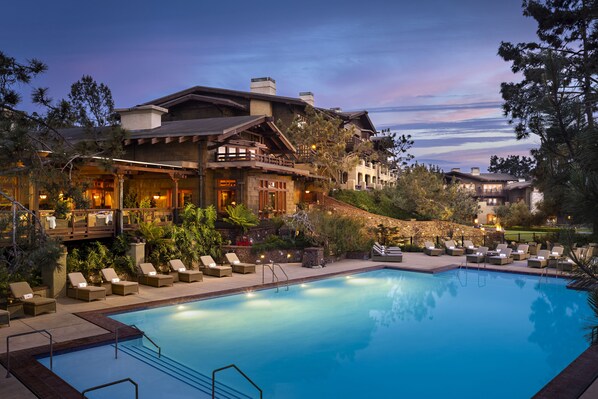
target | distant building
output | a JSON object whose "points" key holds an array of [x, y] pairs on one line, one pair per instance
{"points": [[494, 189]]}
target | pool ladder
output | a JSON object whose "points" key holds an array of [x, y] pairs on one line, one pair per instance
{"points": [[275, 278]]}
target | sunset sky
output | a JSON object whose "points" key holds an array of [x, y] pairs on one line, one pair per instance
{"points": [[427, 68]]}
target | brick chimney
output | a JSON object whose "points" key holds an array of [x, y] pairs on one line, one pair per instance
{"points": [[308, 97], [263, 86], [475, 171], [143, 117]]}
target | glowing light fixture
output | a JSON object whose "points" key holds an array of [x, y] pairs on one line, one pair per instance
{"points": [[157, 196]]}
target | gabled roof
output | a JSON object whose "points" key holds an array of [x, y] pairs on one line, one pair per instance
{"points": [[484, 177], [213, 129], [213, 92]]}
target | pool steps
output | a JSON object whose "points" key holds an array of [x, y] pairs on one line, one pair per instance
{"points": [[180, 372]]}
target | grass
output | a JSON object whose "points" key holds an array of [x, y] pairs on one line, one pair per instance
{"points": [[376, 202]]}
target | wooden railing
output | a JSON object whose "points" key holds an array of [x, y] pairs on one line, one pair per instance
{"points": [[133, 216], [249, 156], [79, 223]]}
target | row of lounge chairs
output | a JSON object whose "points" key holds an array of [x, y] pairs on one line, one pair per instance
{"points": [[79, 288]]}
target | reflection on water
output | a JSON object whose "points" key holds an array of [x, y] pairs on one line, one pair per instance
{"points": [[337, 337]]}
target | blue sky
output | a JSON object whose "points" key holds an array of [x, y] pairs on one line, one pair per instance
{"points": [[428, 68]]}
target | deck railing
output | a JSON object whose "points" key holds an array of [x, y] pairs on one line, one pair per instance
{"points": [[249, 156]]}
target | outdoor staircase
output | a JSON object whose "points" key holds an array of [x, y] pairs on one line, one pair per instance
{"points": [[181, 372]]}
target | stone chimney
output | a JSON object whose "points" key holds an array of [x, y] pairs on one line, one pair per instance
{"points": [[308, 97], [143, 117], [456, 170], [475, 171], [263, 86]]}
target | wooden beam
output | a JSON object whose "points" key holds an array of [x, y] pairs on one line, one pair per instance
{"points": [[156, 140], [141, 141], [182, 139], [128, 142]]}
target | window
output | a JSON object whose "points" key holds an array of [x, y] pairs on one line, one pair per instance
{"points": [[227, 193], [272, 197]]}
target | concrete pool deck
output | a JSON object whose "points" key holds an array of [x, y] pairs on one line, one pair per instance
{"points": [[82, 323]]}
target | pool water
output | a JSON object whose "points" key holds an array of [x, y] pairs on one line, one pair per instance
{"points": [[388, 334]]}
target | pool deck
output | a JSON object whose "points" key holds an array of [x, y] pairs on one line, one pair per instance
{"points": [[78, 323]]}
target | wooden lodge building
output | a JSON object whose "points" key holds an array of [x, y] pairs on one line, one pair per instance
{"points": [[205, 146]]}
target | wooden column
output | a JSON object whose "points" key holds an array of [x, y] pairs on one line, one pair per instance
{"points": [[202, 161], [175, 198], [120, 182]]}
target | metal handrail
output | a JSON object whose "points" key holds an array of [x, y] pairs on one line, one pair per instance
{"points": [[142, 333], [274, 276], [27, 333], [283, 272], [113, 383], [240, 372]]}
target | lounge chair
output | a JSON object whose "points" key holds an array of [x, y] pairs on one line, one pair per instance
{"points": [[381, 253], [503, 258], [469, 247], [540, 260], [499, 248], [521, 253], [79, 289], [210, 268], [4, 317], [452, 248], [237, 265], [557, 251], [566, 263], [32, 304], [181, 272], [477, 257], [118, 286], [150, 277], [431, 250]]}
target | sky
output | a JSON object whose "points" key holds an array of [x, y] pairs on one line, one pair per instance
{"points": [[428, 68]]}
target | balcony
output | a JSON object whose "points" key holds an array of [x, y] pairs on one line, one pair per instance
{"points": [[251, 157]]}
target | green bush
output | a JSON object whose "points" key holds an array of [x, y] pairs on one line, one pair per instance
{"points": [[92, 258], [376, 201]]}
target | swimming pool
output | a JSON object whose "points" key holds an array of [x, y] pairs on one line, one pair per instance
{"points": [[386, 333]]}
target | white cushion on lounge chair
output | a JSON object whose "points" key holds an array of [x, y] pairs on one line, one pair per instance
{"points": [[520, 251], [555, 253], [82, 285], [540, 257], [115, 280], [182, 269], [28, 296], [430, 247], [470, 246], [503, 255], [451, 247], [236, 262], [498, 250], [212, 265], [152, 273]]}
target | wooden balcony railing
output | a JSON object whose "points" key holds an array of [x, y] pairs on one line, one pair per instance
{"points": [[133, 216], [79, 223], [249, 156]]}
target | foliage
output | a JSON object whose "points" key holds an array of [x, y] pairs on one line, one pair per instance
{"points": [[517, 214], [514, 165], [422, 190], [556, 100], [241, 216], [276, 242], [339, 234], [197, 235], [159, 246], [91, 258], [379, 202], [322, 141], [391, 149], [32, 146], [385, 234]]}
